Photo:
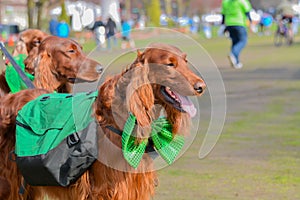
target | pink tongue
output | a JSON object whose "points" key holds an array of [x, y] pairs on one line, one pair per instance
{"points": [[187, 105]]}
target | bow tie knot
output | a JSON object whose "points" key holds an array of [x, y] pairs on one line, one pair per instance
{"points": [[167, 145]]}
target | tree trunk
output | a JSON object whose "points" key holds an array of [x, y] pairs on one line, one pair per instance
{"points": [[186, 7], [168, 4], [30, 10], [145, 6], [128, 8], [40, 5], [180, 8]]}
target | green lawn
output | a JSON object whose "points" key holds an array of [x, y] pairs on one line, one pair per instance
{"points": [[258, 154]]}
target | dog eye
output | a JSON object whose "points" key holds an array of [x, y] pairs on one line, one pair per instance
{"points": [[170, 64], [36, 42], [71, 51]]}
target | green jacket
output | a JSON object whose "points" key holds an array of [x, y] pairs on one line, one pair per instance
{"points": [[235, 12]]}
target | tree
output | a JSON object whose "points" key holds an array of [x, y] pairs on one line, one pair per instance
{"points": [[180, 8], [64, 16], [33, 7], [168, 4], [39, 5], [30, 9], [128, 8], [154, 12], [187, 10]]}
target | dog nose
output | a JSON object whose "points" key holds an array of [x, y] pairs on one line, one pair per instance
{"points": [[199, 87], [99, 69]]}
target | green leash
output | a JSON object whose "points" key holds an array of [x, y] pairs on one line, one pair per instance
{"points": [[167, 145]]}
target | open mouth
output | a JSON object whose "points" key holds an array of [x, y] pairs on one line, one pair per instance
{"points": [[181, 103]]}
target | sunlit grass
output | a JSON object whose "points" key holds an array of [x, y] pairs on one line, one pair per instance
{"points": [[258, 154]]}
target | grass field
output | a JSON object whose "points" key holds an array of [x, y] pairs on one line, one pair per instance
{"points": [[258, 154]]}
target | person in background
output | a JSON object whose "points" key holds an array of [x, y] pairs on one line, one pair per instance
{"points": [[127, 41], [111, 29], [63, 29], [286, 12], [52, 26], [99, 31], [235, 14], [265, 23]]}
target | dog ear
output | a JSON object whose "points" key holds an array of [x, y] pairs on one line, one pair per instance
{"points": [[31, 60], [140, 99], [20, 49], [140, 57], [44, 78], [139, 54]]}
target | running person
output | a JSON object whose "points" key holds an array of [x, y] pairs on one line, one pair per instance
{"points": [[235, 13]]}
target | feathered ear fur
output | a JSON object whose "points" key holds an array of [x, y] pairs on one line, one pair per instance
{"points": [[139, 59], [44, 78], [140, 98], [140, 56], [31, 60], [20, 49]]}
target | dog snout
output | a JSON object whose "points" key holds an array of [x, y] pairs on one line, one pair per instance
{"points": [[199, 87], [99, 69]]}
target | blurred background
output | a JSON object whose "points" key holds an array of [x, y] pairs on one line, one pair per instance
{"points": [[189, 16], [258, 154]]}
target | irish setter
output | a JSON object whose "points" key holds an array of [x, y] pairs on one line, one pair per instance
{"points": [[59, 61], [158, 81], [28, 40], [4, 188], [55, 63]]}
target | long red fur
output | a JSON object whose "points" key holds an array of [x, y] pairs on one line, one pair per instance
{"points": [[51, 70], [53, 65], [28, 40], [131, 91]]}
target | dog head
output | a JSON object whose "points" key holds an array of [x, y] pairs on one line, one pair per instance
{"points": [[29, 39], [172, 82], [159, 76], [58, 61]]}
